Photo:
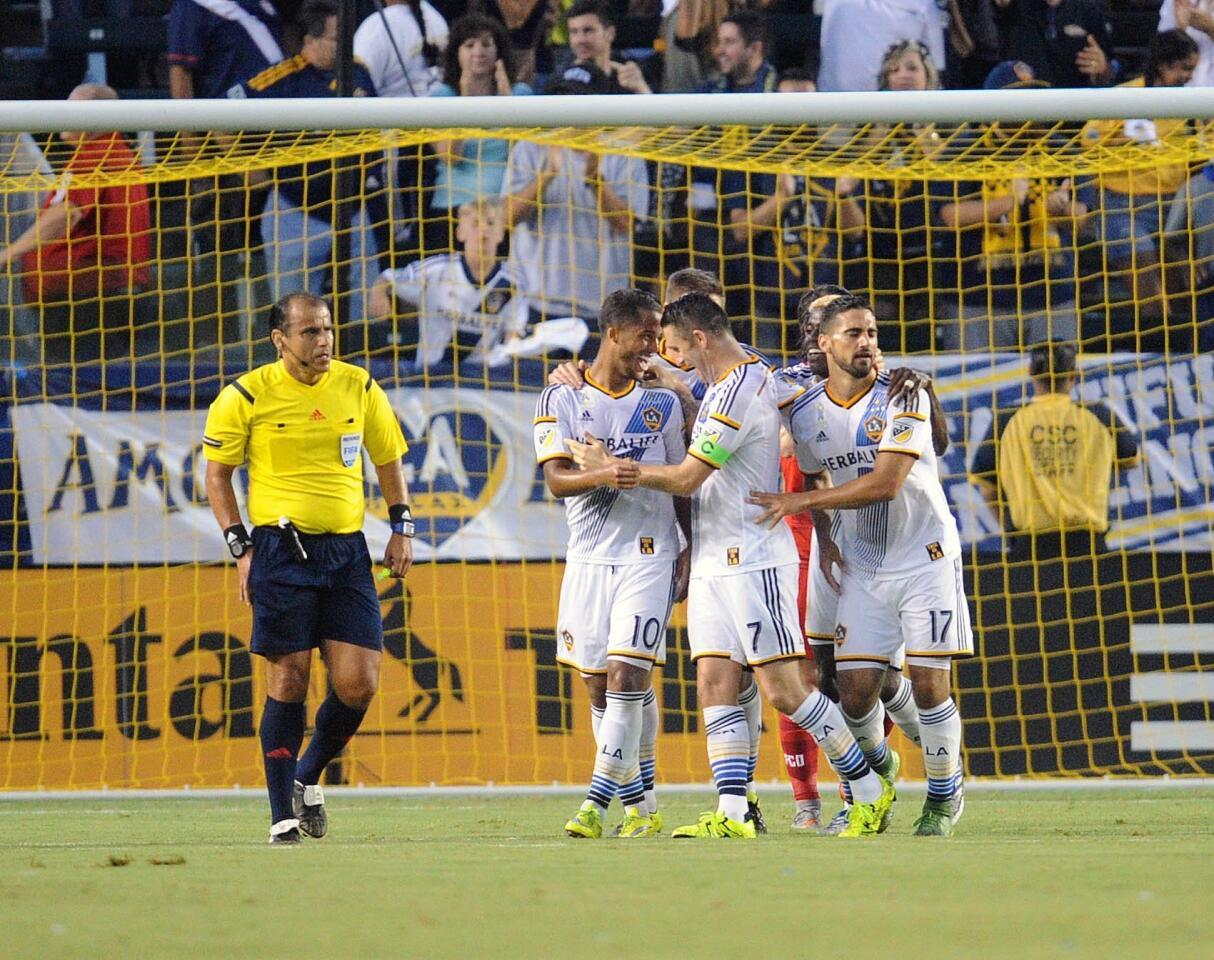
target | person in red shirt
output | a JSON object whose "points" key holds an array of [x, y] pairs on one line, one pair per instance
{"points": [[87, 256]]}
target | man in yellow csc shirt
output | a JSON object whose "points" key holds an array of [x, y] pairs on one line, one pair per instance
{"points": [[301, 424]]}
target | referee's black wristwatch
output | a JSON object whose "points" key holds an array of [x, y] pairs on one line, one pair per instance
{"points": [[400, 518], [239, 541]]}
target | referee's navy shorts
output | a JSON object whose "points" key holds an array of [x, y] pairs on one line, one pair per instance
{"points": [[331, 596]]}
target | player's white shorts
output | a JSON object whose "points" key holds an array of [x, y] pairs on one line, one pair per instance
{"points": [[926, 611], [618, 611], [822, 609], [750, 617]]}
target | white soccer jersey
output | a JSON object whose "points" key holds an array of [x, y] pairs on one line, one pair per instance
{"points": [[737, 433], [454, 308], [883, 540], [605, 525], [788, 382]]}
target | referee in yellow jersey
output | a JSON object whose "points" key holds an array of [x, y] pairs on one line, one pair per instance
{"points": [[301, 424], [1053, 461]]}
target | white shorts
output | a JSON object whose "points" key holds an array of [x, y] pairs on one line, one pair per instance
{"points": [[925, 611], [749, 617], [616, 611]]}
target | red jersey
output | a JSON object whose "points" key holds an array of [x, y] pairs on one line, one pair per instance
{"points": [[110, 248], [801, 526]]}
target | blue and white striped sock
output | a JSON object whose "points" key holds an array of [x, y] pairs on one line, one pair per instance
{"points": [[650, 721], [940, 730], [902, 710], [616, 769], [752, 706], [826, 725], [869, 732], [728, 755]]}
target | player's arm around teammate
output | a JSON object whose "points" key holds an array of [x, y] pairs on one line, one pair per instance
{"points": [[301, 425]]}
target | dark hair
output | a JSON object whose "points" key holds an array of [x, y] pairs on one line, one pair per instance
{"points": [[696, 311], [627, 308], [429, 50], [1050, 362], [752, 26], [837, 308], [1168, 47], [282, 309], [691, 280], [798, 75], [809, 317], [314, 16], [585, 8], [463, 30]]}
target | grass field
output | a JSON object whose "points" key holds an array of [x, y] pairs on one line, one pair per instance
{"points": [[1101, 874]]}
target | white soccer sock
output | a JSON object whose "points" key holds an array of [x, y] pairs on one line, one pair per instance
{"points": [[615, 763], [728, 753], [752, 706], [826, 725], [901, 708], [869, 732], [940, 728], [596, 718], [650, 721]]}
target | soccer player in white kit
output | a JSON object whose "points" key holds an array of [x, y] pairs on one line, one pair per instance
{"points": [[902, 582], [620, 576], [742, 598]]}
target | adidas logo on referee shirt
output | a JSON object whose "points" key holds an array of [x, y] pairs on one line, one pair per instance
{"points": [[316, 415]]}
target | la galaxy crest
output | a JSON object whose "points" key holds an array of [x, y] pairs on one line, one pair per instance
{"points": [[652, 418], [874, 427]]}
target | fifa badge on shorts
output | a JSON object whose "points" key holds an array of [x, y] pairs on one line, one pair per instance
{"points": [[874, 426], [567, 640], [351, 443], [733, 556], [647, 546], [652, 418], [934, 552], [840, 634]]}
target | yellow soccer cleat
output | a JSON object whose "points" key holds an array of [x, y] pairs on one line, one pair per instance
{"points": [[658, 822], [863, 820], [637, 825], [716, 825], [888, 792], [587, 825]]}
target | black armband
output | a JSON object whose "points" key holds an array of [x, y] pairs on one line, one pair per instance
{"points": [[238, 540], [400, 518]]}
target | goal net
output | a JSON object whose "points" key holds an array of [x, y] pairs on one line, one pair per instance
{"points": [[125, 659]]}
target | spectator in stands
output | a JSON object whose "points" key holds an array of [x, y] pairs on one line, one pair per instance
{"points": [[469, 304], [1068, 43], [741, 55], [213, 47], [689, 31], [1046, 468], [401, 47], [856, 34], [478, 63], [307, 202], [18, 209], [795, 232], [1196, 18], [1014, 250], [591, 34], [905, 239], [1129, 207], [571, 213], [85, 260], [527, 22]]}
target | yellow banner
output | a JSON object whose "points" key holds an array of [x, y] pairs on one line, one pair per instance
{"points": [[142, 677]]}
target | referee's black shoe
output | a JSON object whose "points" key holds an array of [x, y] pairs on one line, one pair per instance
{"points": [[310, 809], [286, 833]]}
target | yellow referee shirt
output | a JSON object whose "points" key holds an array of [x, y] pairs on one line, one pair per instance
{"points": [[1055, 463], [304, 443]]}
